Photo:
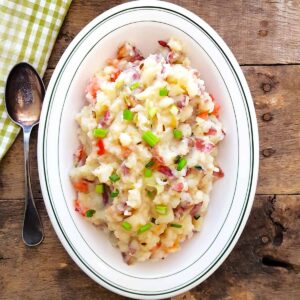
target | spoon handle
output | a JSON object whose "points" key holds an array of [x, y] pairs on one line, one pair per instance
{"points": [[32, 227]]}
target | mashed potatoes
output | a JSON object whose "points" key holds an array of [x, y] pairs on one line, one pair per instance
{"points": [[147, 156]]}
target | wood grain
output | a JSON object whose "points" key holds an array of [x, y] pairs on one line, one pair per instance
{"points": [[258, 32], [276, 93], [264, 264]]}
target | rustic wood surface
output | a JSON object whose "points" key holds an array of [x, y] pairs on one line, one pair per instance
{"points": [[265, 264]]}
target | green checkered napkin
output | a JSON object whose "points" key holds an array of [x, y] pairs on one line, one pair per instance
{"points": [[28, 30]]}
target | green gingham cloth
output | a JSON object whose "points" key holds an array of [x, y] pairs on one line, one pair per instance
{"points": [[28, 30]]}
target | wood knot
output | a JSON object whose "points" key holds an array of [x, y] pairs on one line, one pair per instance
{"points": [[265, 239], [266, 87], [267, 117], [268, 152], [263, 32]]}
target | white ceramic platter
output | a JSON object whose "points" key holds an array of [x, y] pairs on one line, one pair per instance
{"points": [[144, 23]]}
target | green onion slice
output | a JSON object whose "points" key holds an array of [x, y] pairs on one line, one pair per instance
{"points": [[150, 138], [177, 134], [89, 213], [175, 225], [114, 177], [161, 209], [181, 164], [114, 194], [100, 132], [135, 85], [144, 228], [147, 172], [99, 188], [127, 226]]}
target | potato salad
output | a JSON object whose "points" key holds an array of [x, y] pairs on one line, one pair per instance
{"points": [[146, 163]]}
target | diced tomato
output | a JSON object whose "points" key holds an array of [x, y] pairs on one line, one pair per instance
{"points": [[114, 76], [126, 152], [203, 115], [211, 131], [219, 174], [178, 187], [93, 87], [203, 146], [79, 207], [81, 186], [165, 170], [79, 155], [100, 146], [216, 110]]}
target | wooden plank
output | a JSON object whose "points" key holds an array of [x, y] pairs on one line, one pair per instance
{"points": [[265, 263], [258, 32], [276, 91]]}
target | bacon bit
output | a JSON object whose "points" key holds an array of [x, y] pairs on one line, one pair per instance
{"points": [[170, 57], [125, 170], [125, 152], [157, 158], [188, 171], [165, 170], [106, 118], [81, 186], [93, 87], [223, 132], [211, 131], [178, 187], [195, 209], [80, 156], [114, 76], [100, 146], [203, 146], [203, 115], [179, 211], [137, 55], [184, 102], [164, 44], [79, 208], [155, 248], [219, 174], [141, 66]]}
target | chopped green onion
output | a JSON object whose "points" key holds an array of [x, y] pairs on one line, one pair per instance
{"points": [[163, 92], [135, 85], [176, 225], [181, 164], [144, 228], [161, 209], [152, 112], [150, 164], [150, 138], [114, 177], [128, 115], [199, 168], [177, 134], [99, 188], [90, 213], [100, 132], [196, 217], [114, 194], [147, 172], [177, 159], [127, 226]]}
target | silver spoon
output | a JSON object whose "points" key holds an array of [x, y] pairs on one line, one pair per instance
{"points": [[24, 94]]}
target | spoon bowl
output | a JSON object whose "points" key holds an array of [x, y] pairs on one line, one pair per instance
{"points": [[24, 94], [25, 86]]}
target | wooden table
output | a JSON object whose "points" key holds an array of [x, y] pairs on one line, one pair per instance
{"points": [[265, 263]]}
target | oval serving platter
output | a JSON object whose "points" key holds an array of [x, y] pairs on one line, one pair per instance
{"points": [[144, 23]]}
